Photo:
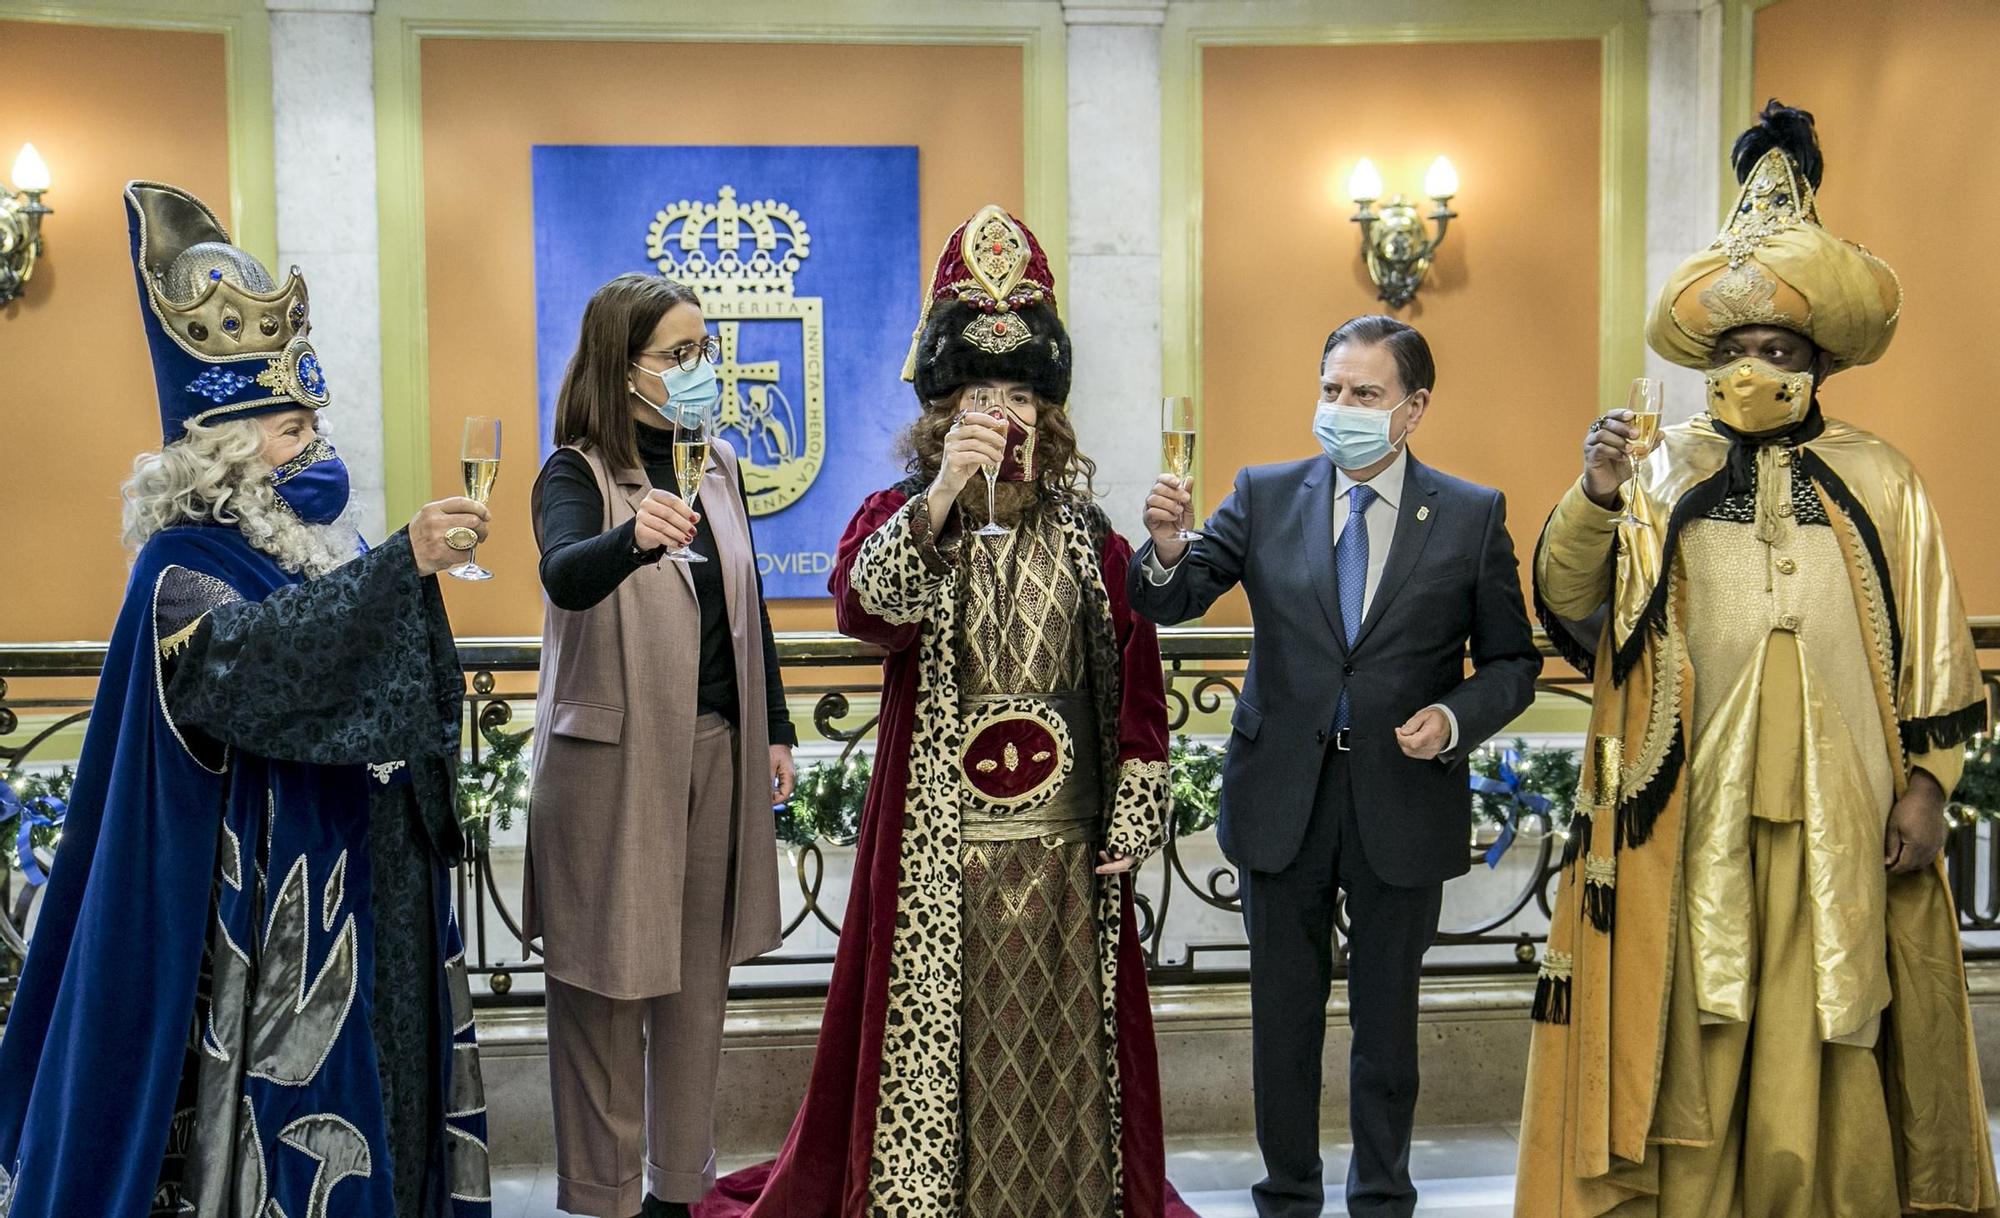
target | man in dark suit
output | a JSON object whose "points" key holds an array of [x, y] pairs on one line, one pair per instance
{"points": [[1369, 576]]}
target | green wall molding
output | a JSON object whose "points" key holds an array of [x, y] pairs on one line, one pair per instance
{"points": [[245, 27], [401, 26], [1739, 83]]}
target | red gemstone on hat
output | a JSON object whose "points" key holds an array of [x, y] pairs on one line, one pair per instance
{"points": [[999, 327], [999, 247]]}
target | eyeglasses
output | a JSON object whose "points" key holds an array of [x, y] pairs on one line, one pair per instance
{"points": [[687, 355]]}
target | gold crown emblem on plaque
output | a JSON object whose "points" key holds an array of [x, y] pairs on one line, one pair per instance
{"points": [[729, 247]]}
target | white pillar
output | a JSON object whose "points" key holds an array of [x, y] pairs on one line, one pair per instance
{"points": [[1112, 301], [323, 109], [1685, 153]]}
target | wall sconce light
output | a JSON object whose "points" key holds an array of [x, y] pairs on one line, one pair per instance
{"points": [[21, 213], [1395, 240]]}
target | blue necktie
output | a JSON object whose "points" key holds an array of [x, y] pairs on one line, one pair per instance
{"points": [[1350, 572]]}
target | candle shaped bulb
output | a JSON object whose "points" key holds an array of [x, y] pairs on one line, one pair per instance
{"points": [[1366, 184], [31, 173], [1441, 181]]}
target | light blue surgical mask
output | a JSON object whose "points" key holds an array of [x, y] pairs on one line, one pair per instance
{"points": [[1356, 437], [690, 391]]}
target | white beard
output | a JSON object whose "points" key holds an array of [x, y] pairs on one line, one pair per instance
{"points": [[309, 549]]}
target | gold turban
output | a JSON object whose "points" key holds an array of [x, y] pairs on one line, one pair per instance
{"points": [[1774, 265]]}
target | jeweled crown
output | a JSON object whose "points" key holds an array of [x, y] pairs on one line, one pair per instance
{"points": [[729, 248], [227, 339]]}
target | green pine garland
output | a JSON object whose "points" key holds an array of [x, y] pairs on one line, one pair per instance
{"points": [[1977, 796], [826, 805], [1552, 773], [38, 793], [1196, 785], [494, 789]]}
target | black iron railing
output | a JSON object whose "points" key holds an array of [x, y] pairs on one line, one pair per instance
{"points": [[1187, 896]]}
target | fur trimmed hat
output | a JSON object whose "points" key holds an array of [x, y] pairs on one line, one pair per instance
{"points": [[989, 313]]}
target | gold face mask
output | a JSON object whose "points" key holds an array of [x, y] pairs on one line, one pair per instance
{"points": [[1754, 397]]}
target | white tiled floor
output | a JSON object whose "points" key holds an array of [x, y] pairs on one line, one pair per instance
{"points": [[1461, 1172]]}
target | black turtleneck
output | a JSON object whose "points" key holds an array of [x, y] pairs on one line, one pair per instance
{"points": [[581, 566]]}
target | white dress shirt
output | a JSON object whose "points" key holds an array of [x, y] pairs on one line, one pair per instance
{"points": [[1388, 488]]}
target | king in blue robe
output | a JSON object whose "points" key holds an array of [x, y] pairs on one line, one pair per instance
{"points": [[245, 995]]}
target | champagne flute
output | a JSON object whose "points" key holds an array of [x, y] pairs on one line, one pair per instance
{"points": [[987, 402], [1644, 402], [479, 461], [693, 426], [1177, 446]]}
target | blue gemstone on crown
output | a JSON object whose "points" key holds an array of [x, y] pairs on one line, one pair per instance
{"points": [[218, 384], [230, 324], [311, 375], [215, 273]]}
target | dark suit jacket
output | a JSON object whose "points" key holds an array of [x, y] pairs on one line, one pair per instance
{"points": [[1451, 582]]}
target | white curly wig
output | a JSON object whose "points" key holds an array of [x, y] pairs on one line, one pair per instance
{"points": [[217, 474]]}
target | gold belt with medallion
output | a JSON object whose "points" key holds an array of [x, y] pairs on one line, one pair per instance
{"points": [[1029, 768]]}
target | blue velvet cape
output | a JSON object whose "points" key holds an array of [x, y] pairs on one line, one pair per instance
{"points": [[233, 889]]}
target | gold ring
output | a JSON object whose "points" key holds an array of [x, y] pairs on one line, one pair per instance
{"points": [[458, 537]]}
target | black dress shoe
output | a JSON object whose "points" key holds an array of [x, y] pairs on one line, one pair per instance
{"points": [[656, 1208]]}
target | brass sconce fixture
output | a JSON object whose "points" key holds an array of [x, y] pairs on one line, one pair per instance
{"points": [[21, 213], [1396, 241]]}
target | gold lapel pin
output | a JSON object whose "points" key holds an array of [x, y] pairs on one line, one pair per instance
{"points": [[1423, 513]]}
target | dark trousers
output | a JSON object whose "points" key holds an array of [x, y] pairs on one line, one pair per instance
{"points": [[1289, 914]]}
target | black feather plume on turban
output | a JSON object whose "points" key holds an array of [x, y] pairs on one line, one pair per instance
{"points": [[1780, 126]]}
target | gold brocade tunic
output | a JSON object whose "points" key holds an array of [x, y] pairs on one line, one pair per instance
{"points": [[1038, 1137], [1781, 667], [1769, 1008]]}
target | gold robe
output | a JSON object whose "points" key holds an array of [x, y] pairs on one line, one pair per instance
{"points": [[1739, 1007]]}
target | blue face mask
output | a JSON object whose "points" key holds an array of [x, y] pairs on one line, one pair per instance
{"points": [[313, 484], [690, 391], [1355, 437]]}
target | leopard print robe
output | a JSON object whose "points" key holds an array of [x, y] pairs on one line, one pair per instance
{"points": [[914, 1169]]}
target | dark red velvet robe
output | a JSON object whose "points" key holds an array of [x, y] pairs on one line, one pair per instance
{"points": [[823, 1170]]}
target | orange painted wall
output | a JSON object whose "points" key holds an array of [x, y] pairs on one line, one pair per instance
{"points": [[961, 106], [1511, 306], [1905, 96], [76, 386]]}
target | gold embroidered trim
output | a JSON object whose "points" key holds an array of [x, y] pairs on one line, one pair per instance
{"points": [[1775, 198], [312, 454], [995, 251], [1740, 296], [1557, 965], [1663, 718], [1861, 572], [171, 645], [1600, 869], [997, 333]]}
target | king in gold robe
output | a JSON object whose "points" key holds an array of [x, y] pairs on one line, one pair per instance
{"points": [[1742, 1010]]}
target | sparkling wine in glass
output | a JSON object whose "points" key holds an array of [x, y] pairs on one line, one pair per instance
{"points": [[693, 426], [987, 402], [1177, 447], [479, 461], [1644, 402]]}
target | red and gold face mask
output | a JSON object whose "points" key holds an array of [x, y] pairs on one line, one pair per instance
{"points": [[1018, 464]]}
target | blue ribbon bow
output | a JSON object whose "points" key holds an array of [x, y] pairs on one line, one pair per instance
{"points": [[1508, 787], [36, 812]]}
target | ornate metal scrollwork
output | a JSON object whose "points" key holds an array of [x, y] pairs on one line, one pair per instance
{"points": [[1204, 671]]}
